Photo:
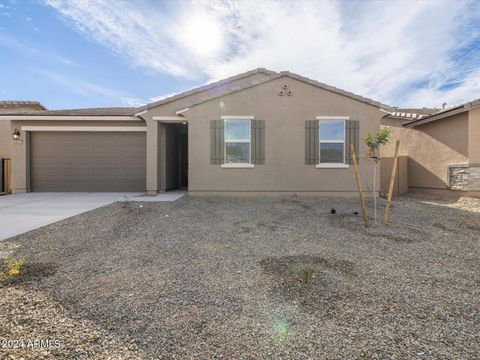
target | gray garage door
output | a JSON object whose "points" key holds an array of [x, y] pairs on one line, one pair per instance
{"points": [[62, 161]]}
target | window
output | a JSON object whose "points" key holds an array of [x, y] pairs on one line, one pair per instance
{"points": [[332, 141], [237, 141]]}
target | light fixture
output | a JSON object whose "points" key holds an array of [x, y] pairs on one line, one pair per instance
{"points": [[16, 134]]}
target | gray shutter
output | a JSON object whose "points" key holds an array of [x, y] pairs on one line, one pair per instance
{"points": [[217, 142], [311, 142], [352, 136], [258, 141]]}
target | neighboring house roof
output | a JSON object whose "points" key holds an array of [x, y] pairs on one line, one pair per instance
{"points": [[15, 103], [419, 111], [473, 104], [407, 114]]}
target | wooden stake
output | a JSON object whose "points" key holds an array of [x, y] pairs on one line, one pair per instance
{"points": [[359, 186], [392, 182]]}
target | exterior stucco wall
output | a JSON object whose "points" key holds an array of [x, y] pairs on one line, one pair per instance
{"points": [[435, 146], [5, 140], [284, 169], [20, 150], [474, 136], [171, 107], [5, 126], [398, 132]]}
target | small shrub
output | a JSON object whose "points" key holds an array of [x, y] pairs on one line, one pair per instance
{"points": [[307, 275], [10, 269]]}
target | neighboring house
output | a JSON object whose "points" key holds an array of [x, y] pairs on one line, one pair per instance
{"points": [[442, 147], [257, 132], [7, 107], [6, 136]]}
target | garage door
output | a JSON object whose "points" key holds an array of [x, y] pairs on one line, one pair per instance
{"points": [[62, 161]]}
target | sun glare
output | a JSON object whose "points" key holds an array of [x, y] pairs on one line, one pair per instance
{"points": [[202, 34]]}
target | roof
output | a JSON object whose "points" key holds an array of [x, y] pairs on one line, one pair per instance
{"points": [[109, 111], [213, 90], [210, 86], [218, 89], [13, 103], [337, 90], [419, 111], [407, 114], [469, 105]]}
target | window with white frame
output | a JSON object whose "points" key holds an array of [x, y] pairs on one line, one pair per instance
{"points": [[332, 141], [237, 141]]}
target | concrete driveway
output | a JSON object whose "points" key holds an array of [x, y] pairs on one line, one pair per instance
{"points": [[24, 212]]}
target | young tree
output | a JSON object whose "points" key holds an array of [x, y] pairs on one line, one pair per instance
{"points": [[374, 142]]}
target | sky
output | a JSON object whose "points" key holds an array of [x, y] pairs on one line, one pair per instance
{"points": [[95, 53]]}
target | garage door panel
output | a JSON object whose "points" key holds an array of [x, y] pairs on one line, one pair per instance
{"points": [[88, 161]]}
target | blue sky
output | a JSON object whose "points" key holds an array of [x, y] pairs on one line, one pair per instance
{"points": [[88, 53]]}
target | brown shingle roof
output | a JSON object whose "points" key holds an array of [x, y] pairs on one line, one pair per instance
{"points": [[13, 103], [222, 90], [273, 75]]}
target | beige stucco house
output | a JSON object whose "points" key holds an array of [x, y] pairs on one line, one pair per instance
{"points": [[441, 148], [255, 133], [7, 107]]}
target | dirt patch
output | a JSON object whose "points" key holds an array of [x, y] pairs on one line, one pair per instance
{"points": [[289, 266], [470, 224], [315, 283], [295, 204], [442, 226], [256, 227]]}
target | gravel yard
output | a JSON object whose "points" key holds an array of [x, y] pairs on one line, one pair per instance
{"points": [[244, 278]]}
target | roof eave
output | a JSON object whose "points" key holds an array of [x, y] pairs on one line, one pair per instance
{"points": [[27, 117], [205, 87], [338, 91], [444, 114]]}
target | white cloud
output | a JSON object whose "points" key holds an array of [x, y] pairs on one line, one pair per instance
{"points": [[82, 87], [133, 102], [32, 51], [398, 52], [86, 88]]}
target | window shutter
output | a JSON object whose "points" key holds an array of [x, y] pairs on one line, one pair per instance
{"points": [[352, 136], [217, 142], [311, 142], [258, 141]]}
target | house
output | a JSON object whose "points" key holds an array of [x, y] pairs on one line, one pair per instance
{"points": [[258, 132], [441, 148], [5, 137]]}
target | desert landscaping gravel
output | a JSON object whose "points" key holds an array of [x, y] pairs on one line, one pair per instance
{"points": [[249, 278]]}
